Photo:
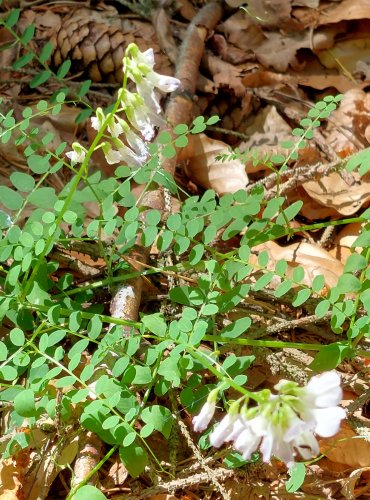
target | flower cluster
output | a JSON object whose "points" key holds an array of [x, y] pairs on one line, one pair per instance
{"points": [[282, 424], [142, 110]]}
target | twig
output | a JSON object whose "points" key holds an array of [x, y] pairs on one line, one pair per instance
{"points": [[212, 477], [219, 473], [89, 455]]}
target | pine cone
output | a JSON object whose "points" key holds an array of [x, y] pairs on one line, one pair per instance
{"points": [[98, 49]]}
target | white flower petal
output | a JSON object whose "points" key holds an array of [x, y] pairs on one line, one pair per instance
{"points": [[239, 425], [307, 446], [112, 156], [137, 145], [147, 58], [95, 123], [163, 82], [115, 129], [247, 443], [78, 153], [146, 91], [129, 157], [325, 389], [223, 430], [328, 420], [201, 421]]}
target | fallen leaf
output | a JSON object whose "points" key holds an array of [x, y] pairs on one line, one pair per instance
{"points": [[285, 46], [345, 54], [347, 447], [314, 259], [203, 168], [349, 123], [349, 484], [334, 191], [346, 9]]}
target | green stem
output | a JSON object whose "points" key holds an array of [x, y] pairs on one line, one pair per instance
{"points": [[68, 200]]}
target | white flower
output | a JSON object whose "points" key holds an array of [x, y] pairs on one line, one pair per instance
{"points": [[302, 439], [115, 127], [201, 421], [163, 82], [122, 155], [139, 114], [147, 92], [146, 58], [223, 430], [318, 403], [78, 153], [324, 390], [247, 442], [98, 120], [283, 425], [140, 70], [137, 145]]}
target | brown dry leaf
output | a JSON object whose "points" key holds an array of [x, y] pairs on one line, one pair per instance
{"points": [[311, 209], [346, 196], [266, 133], [345, 10], [279, 50], [349, 123], [323, 79], [347, 447], [349, 484], [347, 236], [344, 240], [226, 74], [345, 54], [312, 258], [270, 13], [244, 490], [312, 4], [10, 483], [242, 32], [163, 496], [203, 168], [47, 467], [117, 475]]}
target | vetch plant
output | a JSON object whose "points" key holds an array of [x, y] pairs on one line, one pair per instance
{"points": [[281, 425]]}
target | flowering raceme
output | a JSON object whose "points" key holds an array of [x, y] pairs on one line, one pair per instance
{"points": [[282, 424], [142, 110]]}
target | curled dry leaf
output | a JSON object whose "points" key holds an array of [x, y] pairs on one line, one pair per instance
{"points": [[350, 123], [344, 240], [203, 168], [312, 258], [345, 195], [242, 32], [344, 10], [347, 447], [346, 53], [285, 46], [349, 484], [10, 480]]}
